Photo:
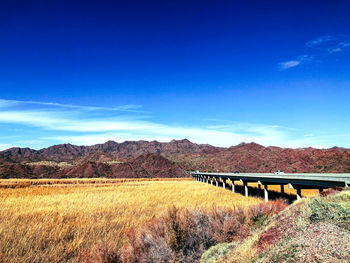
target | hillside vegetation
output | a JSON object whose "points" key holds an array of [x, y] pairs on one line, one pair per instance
{"points": [[311, 230]]}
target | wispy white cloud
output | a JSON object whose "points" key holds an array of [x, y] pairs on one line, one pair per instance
{"points": [[321, 40], [12, 103], [114, 128], [340, 47], [81, 127], [335, 50], [73, 121], [293, 63], [7, 103], [330, 44], [289, 64], [320, 49]]}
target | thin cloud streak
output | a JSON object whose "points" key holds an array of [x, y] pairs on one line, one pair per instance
{"points": [[12, 103], [321, 48], [293, 63], [320, 40], [289, 64]]}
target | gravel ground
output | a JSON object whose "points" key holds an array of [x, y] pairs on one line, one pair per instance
{"points": [[323, 242]]}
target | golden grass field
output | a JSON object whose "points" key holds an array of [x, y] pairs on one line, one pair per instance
{"points": [[48, 220]]}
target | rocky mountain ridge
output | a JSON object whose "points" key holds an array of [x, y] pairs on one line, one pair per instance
{"points": [[113, 159]]}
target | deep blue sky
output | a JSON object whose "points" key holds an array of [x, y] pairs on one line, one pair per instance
{"points": [[217, 72]]}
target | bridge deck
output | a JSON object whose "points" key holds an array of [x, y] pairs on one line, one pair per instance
{"points": [[304, 180], [297, 181]]}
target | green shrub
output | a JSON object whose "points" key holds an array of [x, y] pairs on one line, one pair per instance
{"points": [[331, 212], [288, 254], [342, 198], [216, 252]]}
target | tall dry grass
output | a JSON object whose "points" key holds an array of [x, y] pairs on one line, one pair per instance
{"points": [[45, 222]]}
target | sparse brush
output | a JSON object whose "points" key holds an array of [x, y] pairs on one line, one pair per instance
{"points": [[331, 212], [184, 234]]}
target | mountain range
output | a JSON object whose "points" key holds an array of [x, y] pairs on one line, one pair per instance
{"points": [[157, 159]]}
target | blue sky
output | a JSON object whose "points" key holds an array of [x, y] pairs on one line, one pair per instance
{"points": [[217, 72]]}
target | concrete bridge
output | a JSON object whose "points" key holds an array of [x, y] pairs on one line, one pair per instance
{"points": [[296, 181]]}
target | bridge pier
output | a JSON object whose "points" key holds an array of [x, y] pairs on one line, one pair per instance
{"points": [[259, 189], [217, 182], [245, 184], [298, 193], [233, 186], [224, 183], [266, 193], [282, 190]]}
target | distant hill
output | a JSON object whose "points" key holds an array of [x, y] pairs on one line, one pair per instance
{"points": [[144, 166], [147, 159], [123, 151]]}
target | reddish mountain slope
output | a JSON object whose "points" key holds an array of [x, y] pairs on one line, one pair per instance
{"points": [[253, 157], [104, 160], [148, 166], [18, 170], [144, 166], [122, 151]]}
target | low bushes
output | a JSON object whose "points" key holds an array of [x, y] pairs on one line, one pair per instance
{"points": [[183, 235], [331, 212]]}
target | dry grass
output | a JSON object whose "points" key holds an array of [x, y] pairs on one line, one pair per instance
{"points": [[69, 182], [45, 222]]}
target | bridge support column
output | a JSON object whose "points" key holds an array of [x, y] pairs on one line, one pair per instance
{"points": [[224, 183], [207, 180], [233, 186], [217, 182], [259, 189], [282, 190], [266, 193], [298, 193], [245, 188]]}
